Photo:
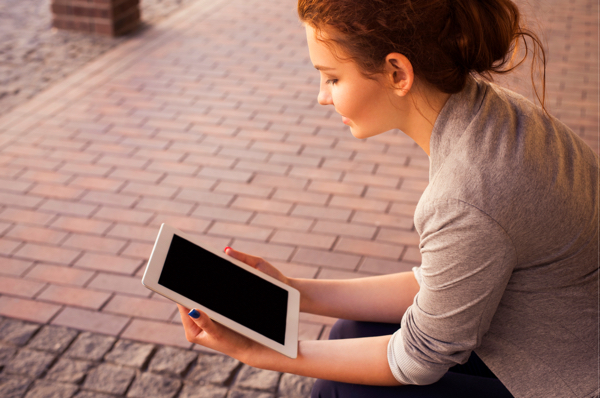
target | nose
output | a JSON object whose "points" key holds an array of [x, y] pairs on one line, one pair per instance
{"points": [[324, 97]]}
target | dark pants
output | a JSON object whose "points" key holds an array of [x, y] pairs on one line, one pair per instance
{"points": [[471, 380]]}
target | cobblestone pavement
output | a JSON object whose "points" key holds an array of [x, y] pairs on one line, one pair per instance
{"points": [[33, 56], [208, 121], [43, 361]]}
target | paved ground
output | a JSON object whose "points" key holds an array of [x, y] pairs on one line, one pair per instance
{"points": [[209, 121], [54, 361], [33, 56]]}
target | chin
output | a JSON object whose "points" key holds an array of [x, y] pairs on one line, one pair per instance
{"points": [[362, 134]]}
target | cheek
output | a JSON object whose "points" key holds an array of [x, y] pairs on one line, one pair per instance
{"points": [[361, 102]]}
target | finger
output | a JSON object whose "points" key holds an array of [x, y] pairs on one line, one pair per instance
{"points": [[190, 327], [203, 321], [252, 261]]}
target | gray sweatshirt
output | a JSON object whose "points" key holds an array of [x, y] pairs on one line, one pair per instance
{"points": [[509, 244]]}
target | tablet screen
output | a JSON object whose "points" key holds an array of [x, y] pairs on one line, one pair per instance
{"points": [[225, 288]]}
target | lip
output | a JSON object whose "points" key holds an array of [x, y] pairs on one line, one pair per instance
{"points": [[345, 120]]}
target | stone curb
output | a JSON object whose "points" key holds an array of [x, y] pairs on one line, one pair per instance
{"points": [[43, 361]]}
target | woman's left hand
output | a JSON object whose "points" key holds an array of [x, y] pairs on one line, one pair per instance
{"points": [[204, 331]]}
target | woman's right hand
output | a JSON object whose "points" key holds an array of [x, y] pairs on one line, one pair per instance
{"points": [[258, 263]]}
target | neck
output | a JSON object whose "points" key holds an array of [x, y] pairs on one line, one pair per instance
{"points": [[424, 108]]}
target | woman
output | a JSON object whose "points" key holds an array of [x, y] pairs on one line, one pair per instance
{"points": [[505, 302]]}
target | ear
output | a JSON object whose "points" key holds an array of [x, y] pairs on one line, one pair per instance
{"points": [[400, 72]]}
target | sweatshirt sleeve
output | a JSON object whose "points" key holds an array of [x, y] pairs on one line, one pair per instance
{"points": [[467, 260]]}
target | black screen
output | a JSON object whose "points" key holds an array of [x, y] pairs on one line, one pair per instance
{"points": [[225, 288]]}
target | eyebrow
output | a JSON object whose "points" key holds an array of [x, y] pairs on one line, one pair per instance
{"points": [[319, 67]]}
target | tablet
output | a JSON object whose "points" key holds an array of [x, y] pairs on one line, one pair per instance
{"points": [[188, 271]]}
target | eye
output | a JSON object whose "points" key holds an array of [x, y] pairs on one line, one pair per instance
{"points": [[332, 81]]}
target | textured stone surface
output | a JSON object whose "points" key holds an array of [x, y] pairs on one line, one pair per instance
{"points": [[294, 386], [109, 378], [91, 394], [172, 360], [214, 369], [69, 370], [6, 353], [203, 391], [151, 385], [52, 338], [17, 332], [45, 389], [249, 394], [90, 346], [129, 353], [13, 386], [29, 362], [257, 379]]}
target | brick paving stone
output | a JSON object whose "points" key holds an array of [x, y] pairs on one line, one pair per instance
{"points": [[214, 369], [156, 332], [12, 266], [13, 386], [325, 258], [69, 370], [29, 363], [294, 386], [203, 391], [90, 346], [52, 338], [89, 320], [129, 353], [19, 287], [80, 297], [171, 360], [17, 332], [47, 389], [257, 379], [152, 385], [381, 266], [27, 309], [109, 379], [59, 274]]}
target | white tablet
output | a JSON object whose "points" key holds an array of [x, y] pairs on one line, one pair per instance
{"points": [[186, 270]]}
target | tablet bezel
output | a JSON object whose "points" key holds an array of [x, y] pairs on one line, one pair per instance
{"points": [[154, 270]]}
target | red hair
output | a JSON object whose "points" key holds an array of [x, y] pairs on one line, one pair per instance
{"points": [[445, 40]]}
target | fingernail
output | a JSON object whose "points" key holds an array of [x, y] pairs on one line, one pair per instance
{"points": [[194, 314], [225, 250]]}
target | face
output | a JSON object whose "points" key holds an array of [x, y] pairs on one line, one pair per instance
{"points": [[365, 104]]}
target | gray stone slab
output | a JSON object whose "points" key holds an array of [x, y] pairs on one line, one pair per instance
{"points": [[91, 394], [129, 353], [294, 386], [13, 386], [17, 332], [68, 370], [109, 379], [45, 389], [90, 346], [214, 369], [257, 379], [6, 354], [171, 360], [235, 393], [29, 362], [203, 391], [53, 338], [153, 385]]}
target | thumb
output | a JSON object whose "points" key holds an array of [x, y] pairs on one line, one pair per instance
{"points": [[203, 321]]}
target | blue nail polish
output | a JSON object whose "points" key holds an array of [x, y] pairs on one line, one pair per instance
{"points": [[194, 314]]}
